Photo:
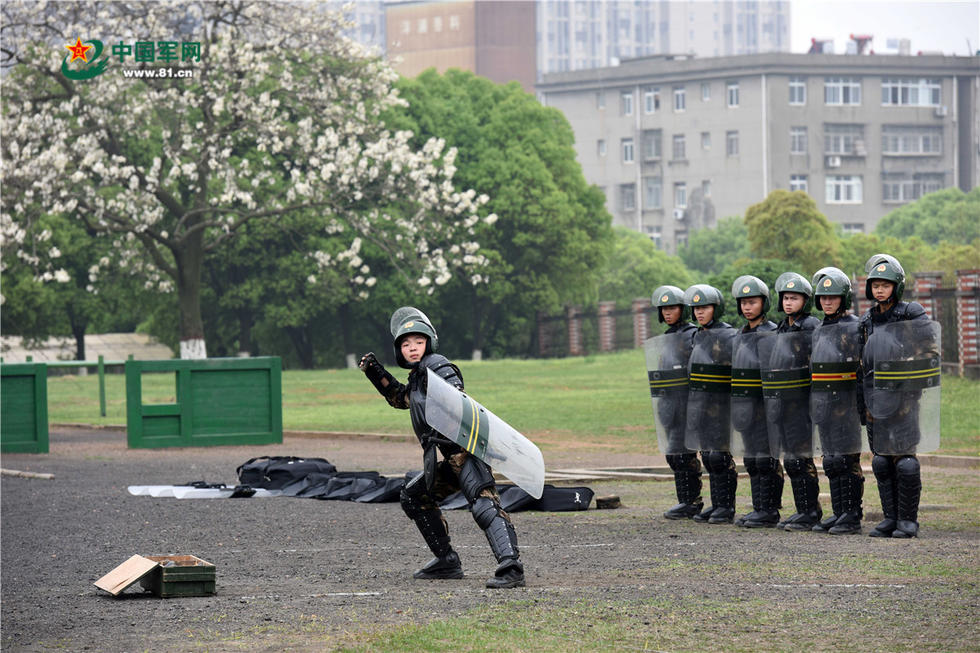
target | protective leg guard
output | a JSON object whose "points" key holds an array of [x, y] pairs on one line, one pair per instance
{"points": [[833, 467], [752, 467], [420, 508], [503, 542], [885, 476], [687, 482], [909, 486], [806, 493], [724, 478], [851, 492], [765, 501]]}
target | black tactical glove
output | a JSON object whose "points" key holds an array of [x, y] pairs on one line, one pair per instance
{"points": [[377, 374]]}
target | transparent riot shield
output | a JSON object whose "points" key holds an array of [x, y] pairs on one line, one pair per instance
{"points": [[902, 386], [748, 407], [709, 426], [834, 361], [785, 360], [467, 423], [667, 360]]}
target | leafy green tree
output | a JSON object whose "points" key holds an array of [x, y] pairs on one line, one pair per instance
{"points": [[856, 249], [553, 232], [787, 226], [710, 250], [949, 214], [636, 267]]}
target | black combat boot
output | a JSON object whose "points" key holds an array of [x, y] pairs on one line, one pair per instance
{"points": [[852, 491], [909, 486], [755, 483], [502, 538], [447, 566], [724, 512], [766, 514], [509, 574], [835, 502], [885, 476], [688, 486], [806, 496]]}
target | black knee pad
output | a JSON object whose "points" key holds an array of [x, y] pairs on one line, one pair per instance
{"points": [[474, 477], [882, 467], [683, 462], [768, 465], [752, 466], [414, 498], [484, 511], [834, 466], [718, 461], [907, 466], [796, 467]]}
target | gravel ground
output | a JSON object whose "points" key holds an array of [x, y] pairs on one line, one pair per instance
{"points": [[297, 574]]}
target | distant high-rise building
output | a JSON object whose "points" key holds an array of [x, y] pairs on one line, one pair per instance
{"points": [[597, 33]]}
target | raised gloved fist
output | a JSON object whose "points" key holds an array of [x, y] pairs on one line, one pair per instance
{"points": [[367, 360]]}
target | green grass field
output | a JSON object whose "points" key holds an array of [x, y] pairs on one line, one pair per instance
{"points": [[599, 399]]}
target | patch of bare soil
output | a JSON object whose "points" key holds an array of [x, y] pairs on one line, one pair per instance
{"points": [[297, 574]]}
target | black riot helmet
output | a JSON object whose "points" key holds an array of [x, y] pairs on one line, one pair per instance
{"points": [[793, 282], [670, 296], [749, 286], [884, 266], [831, 281], [407, 320]]}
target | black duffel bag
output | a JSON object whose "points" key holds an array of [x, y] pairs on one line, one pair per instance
{"points": [[276, 472]]}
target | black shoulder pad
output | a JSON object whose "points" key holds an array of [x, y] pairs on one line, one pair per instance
{"points": [[915, 311], [444, 368]]}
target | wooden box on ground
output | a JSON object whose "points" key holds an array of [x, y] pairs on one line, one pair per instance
{"points": [[164, 576]]}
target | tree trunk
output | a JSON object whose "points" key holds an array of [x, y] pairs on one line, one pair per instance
{"points": [[78, 327], [244, 334], [303, 345], [189, 260]]}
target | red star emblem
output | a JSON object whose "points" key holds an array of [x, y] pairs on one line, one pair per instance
{"points": [[78, 50]]}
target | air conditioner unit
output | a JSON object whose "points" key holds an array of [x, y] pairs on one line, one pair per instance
{"points": [[941, 111], [833, 161], [678, 214]]}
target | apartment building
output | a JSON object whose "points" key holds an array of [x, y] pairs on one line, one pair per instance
{"points": [[679, 142]]}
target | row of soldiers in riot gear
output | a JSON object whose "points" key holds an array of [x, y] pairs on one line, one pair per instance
{"points": [[771, 384]]}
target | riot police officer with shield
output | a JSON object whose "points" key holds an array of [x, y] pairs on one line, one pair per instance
{"points": [[667, 361], [415, 343], [786, 386], [748, 409], [834, 361], [708, 402], [900, 375]]}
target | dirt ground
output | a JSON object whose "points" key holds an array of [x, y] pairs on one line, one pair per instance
{"points": [[301, 574]]}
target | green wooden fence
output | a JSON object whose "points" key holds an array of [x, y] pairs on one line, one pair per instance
{"points": [[219, 401], [24, 408]]}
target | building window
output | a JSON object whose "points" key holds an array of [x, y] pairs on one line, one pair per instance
{"points": [[846, 140], [911, 140], [600, 147], [652, 149], [911, 92], [705, 140], [799, 182], [680, 237], [651, 100], [627, 144], [406, 27], [454, 22], [797, 140], [731, 143], [842, 90], [653, 189], [904, 187], [844, 189], [626, 103], [627, 197], [437, 23], [680, 150], [852, 228], [706, 188], [680, 195], [705, 91], [423, 26], [732, 94], [797, 90], [655, 234], [600, 100], [680, 100]]}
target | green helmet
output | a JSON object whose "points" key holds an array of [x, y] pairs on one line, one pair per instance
{"points": [[831, 281], [793, 282], [701, 294], [749, 286], [883, 266], [409, 319], [670, 296]]}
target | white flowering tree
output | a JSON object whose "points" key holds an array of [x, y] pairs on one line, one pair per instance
{"points": [[254, 110]]}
